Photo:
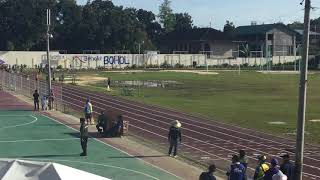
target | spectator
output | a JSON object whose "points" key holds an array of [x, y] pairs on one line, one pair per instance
{"points": [[101, 123], [243, 161], [279, 176], [287, 167], [88, 111], [236, 170], [174, 137], [83, 136], [44, 103], [51, 100], [272, 171], [36, 100], [261, 169], [108, 83], [208, 175]]}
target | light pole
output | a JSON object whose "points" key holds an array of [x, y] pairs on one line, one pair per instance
{"points": [[48, 57], [302, 94]]}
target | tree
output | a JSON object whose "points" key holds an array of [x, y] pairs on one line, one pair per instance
{"points": [[166, 16], [229, 27], [183, 22]]}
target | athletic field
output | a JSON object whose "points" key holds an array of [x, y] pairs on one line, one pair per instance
{"points": [[32, 136]]}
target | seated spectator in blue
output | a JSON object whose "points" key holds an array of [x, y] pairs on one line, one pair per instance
{"points": [[208, 175], [272, 171], [236, 170], [287, 167]]}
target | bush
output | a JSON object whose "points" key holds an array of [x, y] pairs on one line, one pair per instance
{"points": [[59, 67]]}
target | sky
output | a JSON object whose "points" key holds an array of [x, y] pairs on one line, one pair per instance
{"points": [[240, 12]]}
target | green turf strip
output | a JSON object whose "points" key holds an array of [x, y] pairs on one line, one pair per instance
{"points": [[60, 144]]}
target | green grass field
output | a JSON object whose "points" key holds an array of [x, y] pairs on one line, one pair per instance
{"points": [[25, 135], [250, 100]]}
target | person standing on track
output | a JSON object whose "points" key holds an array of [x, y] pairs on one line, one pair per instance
{"points": [[83, 136], [36, 100], [272, 171], [236, 170], [174, 137], [261, 169], [287, 167], [108, 84], [88, 111], [243, 161], [208, 175]]}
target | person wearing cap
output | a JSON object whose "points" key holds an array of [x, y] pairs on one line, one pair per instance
{"points": [[236, 170], [88, 111], [208, 175], [287, 167], [83, 136], [261, 169], [272, 171], [174, 137], [244, 161]]}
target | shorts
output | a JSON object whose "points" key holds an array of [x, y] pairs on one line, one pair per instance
{"points": [[88, 116]]}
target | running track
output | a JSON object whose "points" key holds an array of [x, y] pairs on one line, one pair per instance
{"points": [[203, 140]]}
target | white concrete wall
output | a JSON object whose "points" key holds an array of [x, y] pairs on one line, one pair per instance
{"points": [[32, 58]]}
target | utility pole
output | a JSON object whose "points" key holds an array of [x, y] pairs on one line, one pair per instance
{"points": [[48, 57], [302, 94]]}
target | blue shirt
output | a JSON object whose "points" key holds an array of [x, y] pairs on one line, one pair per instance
{"points": [[272, 171], [237, 171]]}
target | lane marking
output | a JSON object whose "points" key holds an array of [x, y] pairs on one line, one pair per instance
{"points": [[38, 140], [115, 148], [19, 125], [92, 163]]}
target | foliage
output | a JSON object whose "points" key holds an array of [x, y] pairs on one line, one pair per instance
{"points": [[166, 16], [229, 27], [183, 22]]}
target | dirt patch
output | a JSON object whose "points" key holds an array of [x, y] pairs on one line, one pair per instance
{"points": [[89, 80], [193, 71]]}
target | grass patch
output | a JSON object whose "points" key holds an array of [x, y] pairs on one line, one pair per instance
{"points": [[250, 100]]}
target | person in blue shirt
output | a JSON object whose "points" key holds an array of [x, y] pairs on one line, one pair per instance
{"points": [[208, 175], [272, 171], [287, 167], [236, 170]]}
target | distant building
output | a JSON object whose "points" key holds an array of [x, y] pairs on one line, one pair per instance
{"points": [[314, 41], [276, 39], [199, 40]]}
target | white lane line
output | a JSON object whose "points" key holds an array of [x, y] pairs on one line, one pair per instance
{"points": [[116, 148], [92, 163], [227, 142], [253, 142], [38, 140], [192, 120], [19, 125]]}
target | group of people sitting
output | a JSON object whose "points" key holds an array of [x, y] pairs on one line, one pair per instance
{"points": [[238, 169], [108, 126]]}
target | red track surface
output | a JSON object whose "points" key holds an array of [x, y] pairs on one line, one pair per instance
{"points": [[9, 102], [203, 140]]}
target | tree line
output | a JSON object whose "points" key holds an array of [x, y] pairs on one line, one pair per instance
{"points": [[97, 25]]}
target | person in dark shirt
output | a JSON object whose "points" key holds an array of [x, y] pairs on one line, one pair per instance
{"points": [[272, 171], [174, 137], [101, 123], [287, 167], [208, 175], [236, 170], [36, 100], [84, 134], [243, 161]]}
